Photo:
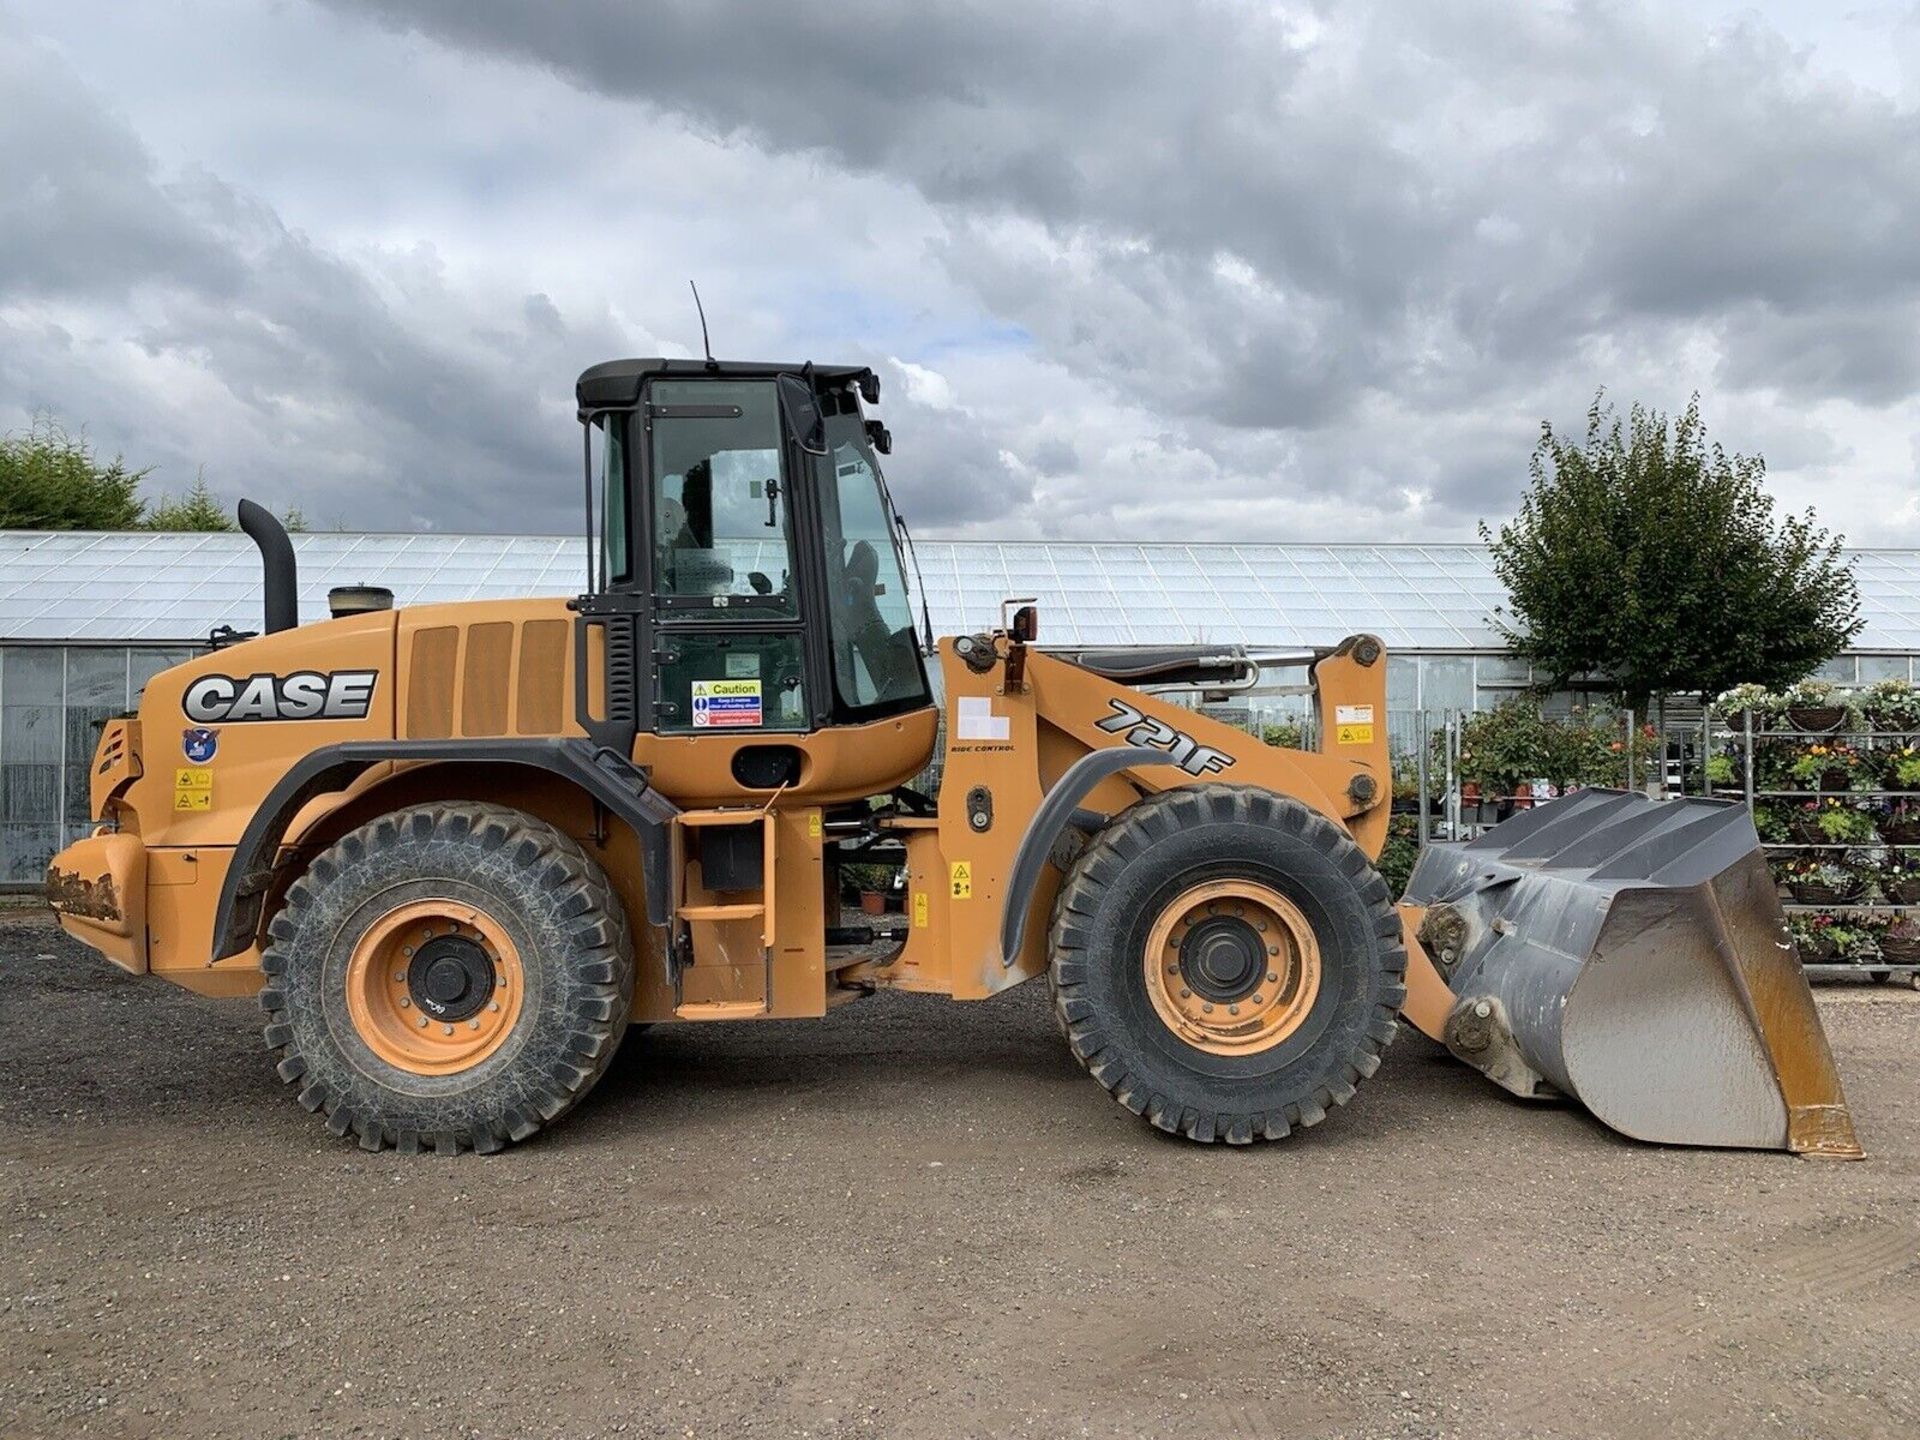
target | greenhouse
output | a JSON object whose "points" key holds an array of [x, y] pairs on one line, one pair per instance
{"points": [[86, 618]]}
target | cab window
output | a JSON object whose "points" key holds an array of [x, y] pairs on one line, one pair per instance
{"points": [[719, 503]]}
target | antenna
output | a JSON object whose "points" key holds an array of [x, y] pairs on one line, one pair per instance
{"points": [[705, 343]]}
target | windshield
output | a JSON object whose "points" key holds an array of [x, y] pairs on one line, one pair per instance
{"points": [[876, 657]]}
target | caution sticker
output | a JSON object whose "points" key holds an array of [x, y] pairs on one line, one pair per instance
{"points": [[960, 879], [813, 824], [1353, 724], [726, 704], [919, 909], [192, 788]]}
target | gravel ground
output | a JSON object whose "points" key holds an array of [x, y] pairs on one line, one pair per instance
{"points": [[916, 1219]]}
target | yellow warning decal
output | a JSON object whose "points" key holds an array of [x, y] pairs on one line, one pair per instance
{"points": [[813, 825], [193, 800], [960, 878], [919, 909], [193, 779], [1354, 735]]}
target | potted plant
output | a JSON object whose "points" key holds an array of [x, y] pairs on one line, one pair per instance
{"points": [[1722, 772], [1900, 768], [1771, 820], [1826, 767], [1829, 821], [870, 884], [1815, 706]]}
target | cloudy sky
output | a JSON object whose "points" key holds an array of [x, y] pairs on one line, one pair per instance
{"points": [[1297, 271]]}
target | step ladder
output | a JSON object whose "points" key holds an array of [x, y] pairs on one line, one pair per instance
{"points": [[698, 922]]}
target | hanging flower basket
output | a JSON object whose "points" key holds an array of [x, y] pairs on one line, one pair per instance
{"points": [[1818, 892], [1905, 951], [1817, 949], [1899, 826], [1903, 889], [1805, 825], [1818, 718]]}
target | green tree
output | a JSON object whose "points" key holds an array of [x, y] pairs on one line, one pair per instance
{"points": [[198, 509], [50, 480], [1648, 557]]}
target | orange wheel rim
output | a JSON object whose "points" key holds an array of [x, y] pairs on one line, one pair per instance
{"points": [[1232, 967], [434, 987]]}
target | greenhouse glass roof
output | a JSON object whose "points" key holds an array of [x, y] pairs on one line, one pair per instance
{"points": [[169, 587]]}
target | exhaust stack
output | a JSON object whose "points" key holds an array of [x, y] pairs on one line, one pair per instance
{"points": [[279, 573]]}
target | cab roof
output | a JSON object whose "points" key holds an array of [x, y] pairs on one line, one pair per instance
{"points": [[615, 384]]}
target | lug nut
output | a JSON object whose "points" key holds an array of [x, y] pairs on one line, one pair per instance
{"points": [[1258, 1000], [473, 1024], [423, 1022], [1186, 994], [1208, 1009], [1273, 977], [1233, 1009], [446, 1029], [1273, 949], [406, 950], [494, 1006], [399, 977], [404, 1002]]}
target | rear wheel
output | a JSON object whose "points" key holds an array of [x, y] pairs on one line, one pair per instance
{"points": [[447, 977], [1227, 963]]}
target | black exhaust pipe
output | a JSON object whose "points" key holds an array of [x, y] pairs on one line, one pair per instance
{"points": [[279, 575]]}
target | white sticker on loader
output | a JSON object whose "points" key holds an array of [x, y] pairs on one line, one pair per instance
{"points": [[976, 720]]}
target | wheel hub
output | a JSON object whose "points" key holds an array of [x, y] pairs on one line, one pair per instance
{"points": [[450, 977], [1232, 967], [1222, 958]]}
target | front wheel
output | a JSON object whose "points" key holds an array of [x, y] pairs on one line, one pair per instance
{"points": [[1227, 963], [449, 977]]}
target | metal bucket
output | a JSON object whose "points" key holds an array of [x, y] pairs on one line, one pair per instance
{"points": [[1632, 954]]}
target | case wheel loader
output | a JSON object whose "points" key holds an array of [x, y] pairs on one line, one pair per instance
{"points": [[460, 849]]}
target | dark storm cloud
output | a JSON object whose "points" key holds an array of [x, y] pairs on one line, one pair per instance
{"points": [[1260, 222], [368, 412]]}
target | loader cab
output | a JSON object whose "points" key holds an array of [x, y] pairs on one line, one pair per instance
{"points": [[748, 572]]}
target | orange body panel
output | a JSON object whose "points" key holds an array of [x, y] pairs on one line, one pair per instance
{"points": [[491, 669]]}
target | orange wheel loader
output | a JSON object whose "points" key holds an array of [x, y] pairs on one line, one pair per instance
{"points": [[458, 849]]}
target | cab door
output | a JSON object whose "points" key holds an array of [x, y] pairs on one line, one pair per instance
{"points": [[729, 652]]}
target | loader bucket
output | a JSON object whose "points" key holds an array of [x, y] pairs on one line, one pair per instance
{"points": [[1632, 954]]}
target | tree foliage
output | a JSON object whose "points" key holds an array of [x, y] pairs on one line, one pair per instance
{"points": [[1648, 557], [198, 509], [50, 480]]}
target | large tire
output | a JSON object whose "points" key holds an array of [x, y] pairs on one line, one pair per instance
{"points": [[1315, 1032], [490, 934]]}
